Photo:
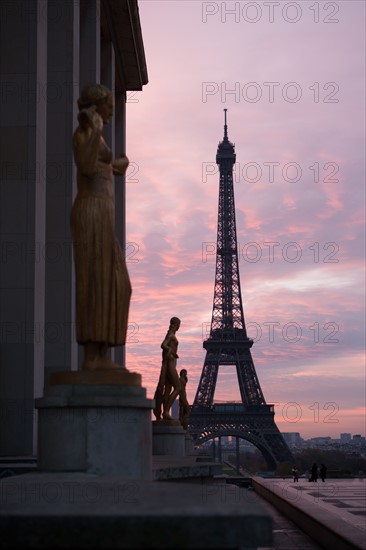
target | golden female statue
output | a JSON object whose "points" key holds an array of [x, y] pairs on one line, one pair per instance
{"points": [[103, 288]]}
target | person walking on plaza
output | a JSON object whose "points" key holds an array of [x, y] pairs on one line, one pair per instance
{"points": [[295, 474], [323, 472], [314, 473]]}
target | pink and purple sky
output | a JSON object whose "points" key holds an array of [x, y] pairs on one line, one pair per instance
{"points": [[292, 76]]}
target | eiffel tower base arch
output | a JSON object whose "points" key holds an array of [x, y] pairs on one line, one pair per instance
{"points": [[253, 423]]}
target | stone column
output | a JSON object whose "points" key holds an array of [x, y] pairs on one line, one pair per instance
{"points": [[89, 58], [63, 92], [23, 53], [115, 135], [120, 194], [108, 79], [89, 42]]}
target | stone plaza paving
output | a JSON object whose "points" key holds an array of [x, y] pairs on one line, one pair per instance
{"points": [[285, 533], [333, 513], [78, 510]]}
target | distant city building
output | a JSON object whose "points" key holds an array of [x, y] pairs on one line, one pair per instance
{"points": [[346, 438], [293, 439], [320, 440], [357, 439]]}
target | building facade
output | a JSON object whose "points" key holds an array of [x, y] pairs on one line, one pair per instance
{"points": [[49, 50]]}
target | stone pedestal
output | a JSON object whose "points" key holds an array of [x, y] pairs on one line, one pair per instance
{"points": [[97, 422], [168, 438], [188, 444], [102, 513]]}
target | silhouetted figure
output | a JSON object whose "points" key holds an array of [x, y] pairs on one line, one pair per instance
{"points": [[295, 474], [314, 473], [184, 408], [168, 387], [323, 472]]}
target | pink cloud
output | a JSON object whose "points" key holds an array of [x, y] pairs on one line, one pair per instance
{"points": [[172, 208]]}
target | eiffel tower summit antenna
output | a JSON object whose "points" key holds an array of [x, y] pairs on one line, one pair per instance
{"points": [[228, 342]]}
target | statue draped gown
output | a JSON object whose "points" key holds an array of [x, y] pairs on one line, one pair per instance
{"points": [[103, 286]]}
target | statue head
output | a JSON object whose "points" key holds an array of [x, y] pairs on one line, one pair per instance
{"points": [[93, 94], [98, 97], [174, 323], [183, 372]]}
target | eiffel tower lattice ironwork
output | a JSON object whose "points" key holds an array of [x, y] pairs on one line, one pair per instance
{"points": [[228, 343]]}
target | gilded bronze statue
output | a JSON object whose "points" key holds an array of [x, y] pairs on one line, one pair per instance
{"points": [[184, 408], [103, 288], [168, 387]]}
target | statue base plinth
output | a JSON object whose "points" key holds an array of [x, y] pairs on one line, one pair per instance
{"points": [[120, 377], [99, 428], [168, 438], [189, 445], [166, 422]]}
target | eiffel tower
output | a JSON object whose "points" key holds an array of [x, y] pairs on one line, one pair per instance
{"points": [[228, 344]]}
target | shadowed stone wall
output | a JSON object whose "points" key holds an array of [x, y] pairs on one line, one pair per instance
{"points": [[48, 51]]}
